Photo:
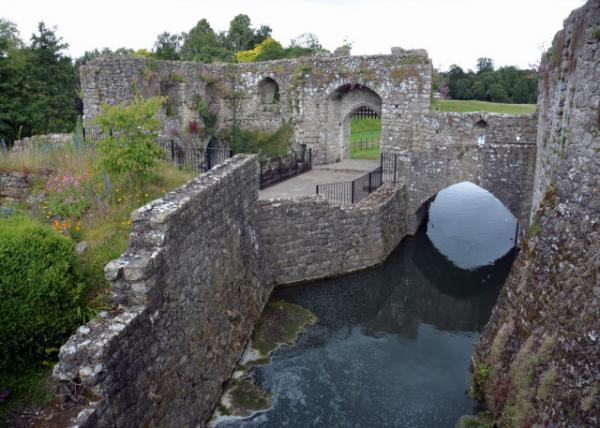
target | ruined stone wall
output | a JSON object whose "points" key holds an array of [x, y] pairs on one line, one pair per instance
{"points": [[538, 360], [189, 290], [311, 238], [444, 149], [15, 186], [315, 95]]}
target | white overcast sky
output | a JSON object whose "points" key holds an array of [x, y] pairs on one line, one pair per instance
{"points": [[511, 32]]}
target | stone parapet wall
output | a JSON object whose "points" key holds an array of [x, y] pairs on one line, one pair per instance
{"points": [[315, 95], [538, 360], [311, 238], [189, 290]]}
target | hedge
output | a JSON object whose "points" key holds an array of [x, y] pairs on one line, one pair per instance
{"points": [[40, 292]]}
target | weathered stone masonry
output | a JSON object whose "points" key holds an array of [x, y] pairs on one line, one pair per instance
{"points": [[541, 347], [203, 260], [311, 238], [317, 96], [189, 291], [201, 264]]}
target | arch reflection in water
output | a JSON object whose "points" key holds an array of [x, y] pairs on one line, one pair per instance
{"points": [[391, 347], [470, 226]]}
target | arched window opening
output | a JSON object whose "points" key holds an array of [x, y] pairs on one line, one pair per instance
{"points": [[481, 127], [268, 90]]}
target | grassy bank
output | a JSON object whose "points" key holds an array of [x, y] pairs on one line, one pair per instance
{"points": [[73, 196], [463, 106]]}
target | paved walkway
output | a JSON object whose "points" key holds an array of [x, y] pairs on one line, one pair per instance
{"points": [[305, 184]]}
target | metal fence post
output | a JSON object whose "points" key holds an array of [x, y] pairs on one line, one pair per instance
{"points": [[369, 189], [352, 194], [172, 150], [317, 189], [395, 160]]}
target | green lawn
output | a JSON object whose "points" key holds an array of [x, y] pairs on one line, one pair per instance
{"points": [[365, 130], [462, 106], [370, 154]]}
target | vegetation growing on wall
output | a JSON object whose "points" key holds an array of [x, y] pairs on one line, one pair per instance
{"points": [[265, 144]]}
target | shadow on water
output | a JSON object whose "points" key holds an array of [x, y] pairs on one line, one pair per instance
{"points": [[391, 347]]}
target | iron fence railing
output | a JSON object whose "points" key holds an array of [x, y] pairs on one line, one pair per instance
{"points": [[275, 170], [364, 144], [391, 166], [351, 192], [197, 159]]}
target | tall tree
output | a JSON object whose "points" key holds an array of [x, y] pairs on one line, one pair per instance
{"points": [[485, 64], [12, 83], [202, 44], [167, 46], [51, 81]]}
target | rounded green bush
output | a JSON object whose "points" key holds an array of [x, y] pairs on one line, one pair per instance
{"points": [[40, 292]]}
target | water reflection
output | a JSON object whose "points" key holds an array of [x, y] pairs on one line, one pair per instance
{"points": [[470, 226], [391, 347]]}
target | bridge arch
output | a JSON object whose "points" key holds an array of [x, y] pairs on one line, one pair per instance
{"points": [[342, 103], [422, 203]]}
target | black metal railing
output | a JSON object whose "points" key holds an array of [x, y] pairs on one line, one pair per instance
{"points": [[197, 159], [276, 170], [351, 192], [363, 144], [391, 167]]}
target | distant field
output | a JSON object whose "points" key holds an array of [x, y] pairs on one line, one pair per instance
{"points": [[462, 106], [365, 130]]}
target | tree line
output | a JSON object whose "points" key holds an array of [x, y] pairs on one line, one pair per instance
{"points": [[40, 88], [502, 85], [39, 82]]}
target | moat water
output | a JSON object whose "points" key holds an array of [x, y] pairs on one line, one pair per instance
{"points": [[392, 345]]}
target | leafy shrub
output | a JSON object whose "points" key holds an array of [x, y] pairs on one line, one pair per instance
{"points": [[265, 144], [40, 292], [130, 146]]}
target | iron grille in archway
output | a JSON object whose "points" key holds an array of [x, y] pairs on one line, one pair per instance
{"points": [[365, 113]]}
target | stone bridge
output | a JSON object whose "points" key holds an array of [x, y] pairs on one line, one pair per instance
{"points": [[204, 259], [317, 96]]}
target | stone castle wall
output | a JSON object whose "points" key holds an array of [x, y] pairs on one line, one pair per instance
{"points": [[318, 95], [538, 360], [189, 290], [315, 95], [441, 149], [201, 265], [311, 238]]}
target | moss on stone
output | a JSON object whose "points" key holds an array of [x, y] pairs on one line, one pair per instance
{"points": [[592, 398], [248, 398], [481, 374], [281, 323], [518, 408], [547, 382], [407, 71], [472, 421]]}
